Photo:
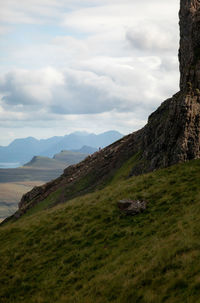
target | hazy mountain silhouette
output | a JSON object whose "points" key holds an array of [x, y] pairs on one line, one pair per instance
{"points": [[22, 150]]}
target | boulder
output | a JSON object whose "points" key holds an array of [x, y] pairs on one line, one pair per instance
{"points": [[132, 207]]}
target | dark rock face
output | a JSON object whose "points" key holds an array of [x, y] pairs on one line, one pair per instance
{"points": [[171, 135], [132, 207], [189, 53]]}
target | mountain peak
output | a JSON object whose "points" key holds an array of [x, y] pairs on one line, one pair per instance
{"points": [[80, 133]]}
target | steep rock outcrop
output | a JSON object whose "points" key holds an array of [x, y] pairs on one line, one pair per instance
{"points": [[170, 136], [189, 52]]}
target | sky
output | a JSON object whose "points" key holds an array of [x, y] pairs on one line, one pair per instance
{"points": [[89, 65]]}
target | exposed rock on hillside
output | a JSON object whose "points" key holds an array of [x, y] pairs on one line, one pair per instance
{"points": [[171, 135], [132, 207]]}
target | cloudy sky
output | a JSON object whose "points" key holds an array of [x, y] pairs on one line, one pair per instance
{"points": [[92, 65]]}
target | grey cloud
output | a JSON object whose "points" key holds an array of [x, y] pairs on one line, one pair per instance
{"points": [[73, 92], [79, 93], [169, 64], [102, 87], [153, 38], [13, 93]]}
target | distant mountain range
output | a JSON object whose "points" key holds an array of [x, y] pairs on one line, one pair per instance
{"points": [[23, 150]]}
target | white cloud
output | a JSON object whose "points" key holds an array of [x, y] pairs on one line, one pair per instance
{"points": [[4, 29], [99, 85], [114, 15], [30, 11], [38, 11]]}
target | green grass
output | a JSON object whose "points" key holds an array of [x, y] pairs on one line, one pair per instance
{"points": [[46, 203], [79, 187], [86, 251], [125, 170]]}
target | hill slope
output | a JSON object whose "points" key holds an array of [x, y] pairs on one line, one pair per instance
{"points": [[87, 251], [86, 150], [45, 162], [60, 161], [70, 157]]}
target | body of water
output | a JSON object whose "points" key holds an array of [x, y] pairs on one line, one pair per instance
{"points": [[9, 165]]}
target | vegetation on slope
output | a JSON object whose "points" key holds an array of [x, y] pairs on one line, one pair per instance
{"points": [[86, 251]]}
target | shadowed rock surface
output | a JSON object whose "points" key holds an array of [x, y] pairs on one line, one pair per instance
{"points": [[132, 207], [170, 136], [189, 52]]}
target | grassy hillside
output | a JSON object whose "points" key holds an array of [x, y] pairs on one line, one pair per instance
{"points": [[86, 251]]}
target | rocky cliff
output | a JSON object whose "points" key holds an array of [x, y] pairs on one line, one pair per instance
{"points": [[170, 136], [189, 52]]}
